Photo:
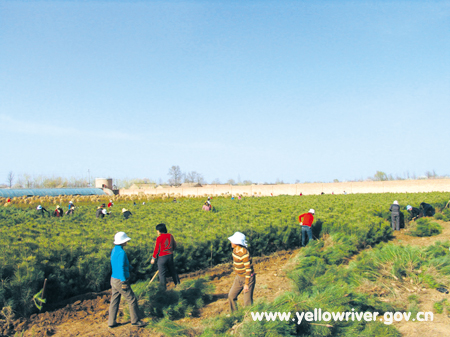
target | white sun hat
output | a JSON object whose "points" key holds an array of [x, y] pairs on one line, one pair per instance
{"points": [[120, 238], [238, 239], [312, 211], [395, 202]]}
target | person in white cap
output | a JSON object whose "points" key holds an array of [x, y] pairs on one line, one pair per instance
{"points": [[41, 211], [120, 285], [395, 215], [306, 220], [414, 212], [71, 208], [245, 277]]}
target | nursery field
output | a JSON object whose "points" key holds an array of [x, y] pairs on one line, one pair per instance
{"points": [[72, 252]]}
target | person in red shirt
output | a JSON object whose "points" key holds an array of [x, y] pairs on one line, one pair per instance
{"points": [[165, 245], [110, 204], [306, 220]]}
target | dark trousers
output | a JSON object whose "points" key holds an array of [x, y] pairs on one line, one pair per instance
{"points": [[236, 289], [166, 268], [306, 230], [395, 220]]}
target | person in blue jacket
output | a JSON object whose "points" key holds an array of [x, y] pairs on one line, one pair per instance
{"points": [[120, 284]]}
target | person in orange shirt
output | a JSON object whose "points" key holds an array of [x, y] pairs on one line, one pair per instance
{"points": [[306, 220], [165, 245]]}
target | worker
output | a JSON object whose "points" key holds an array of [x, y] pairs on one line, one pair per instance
{"points": [[101, 212], [120, 285], [110, 204], [306, 220], [174, 200], [414, 213], [71, 208], [395, 215], [126, 213], [206, 207], [245, 277], [58, 212], [164, 247], [41, 211], [427, 209]]}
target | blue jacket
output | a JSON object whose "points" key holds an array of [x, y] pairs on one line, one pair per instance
{"points": [[120, 264]]}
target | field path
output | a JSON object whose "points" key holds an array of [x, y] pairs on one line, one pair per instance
{"points": [[88, 317]]}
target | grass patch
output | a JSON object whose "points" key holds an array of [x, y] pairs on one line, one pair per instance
{"points": [[424, 227]]}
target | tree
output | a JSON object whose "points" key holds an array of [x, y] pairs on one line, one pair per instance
{"points": [[215, 181], [380, 176], [194, 177], [10, 178], [175, 175], [200, 179], [231, 182]]}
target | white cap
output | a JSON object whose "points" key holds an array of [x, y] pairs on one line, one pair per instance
{"points": [[395, 202], [238, 239], [124, 210], [39, 207], [312, 211], [70, 202], [120, 238]]}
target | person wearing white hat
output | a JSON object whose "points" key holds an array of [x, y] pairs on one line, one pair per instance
{"points": [[245, 277], [120, 285], [306, 220], [395, 215], [414, 212], [71, 208], [41, 211]]}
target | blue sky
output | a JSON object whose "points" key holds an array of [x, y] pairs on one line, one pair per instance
{"points": [[261, 90]]}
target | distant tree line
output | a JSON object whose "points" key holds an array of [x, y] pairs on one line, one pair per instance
{"points": [[176, 178]]}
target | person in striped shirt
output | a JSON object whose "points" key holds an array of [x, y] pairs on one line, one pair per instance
{"points": [[165, 245], [245, 277]]}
